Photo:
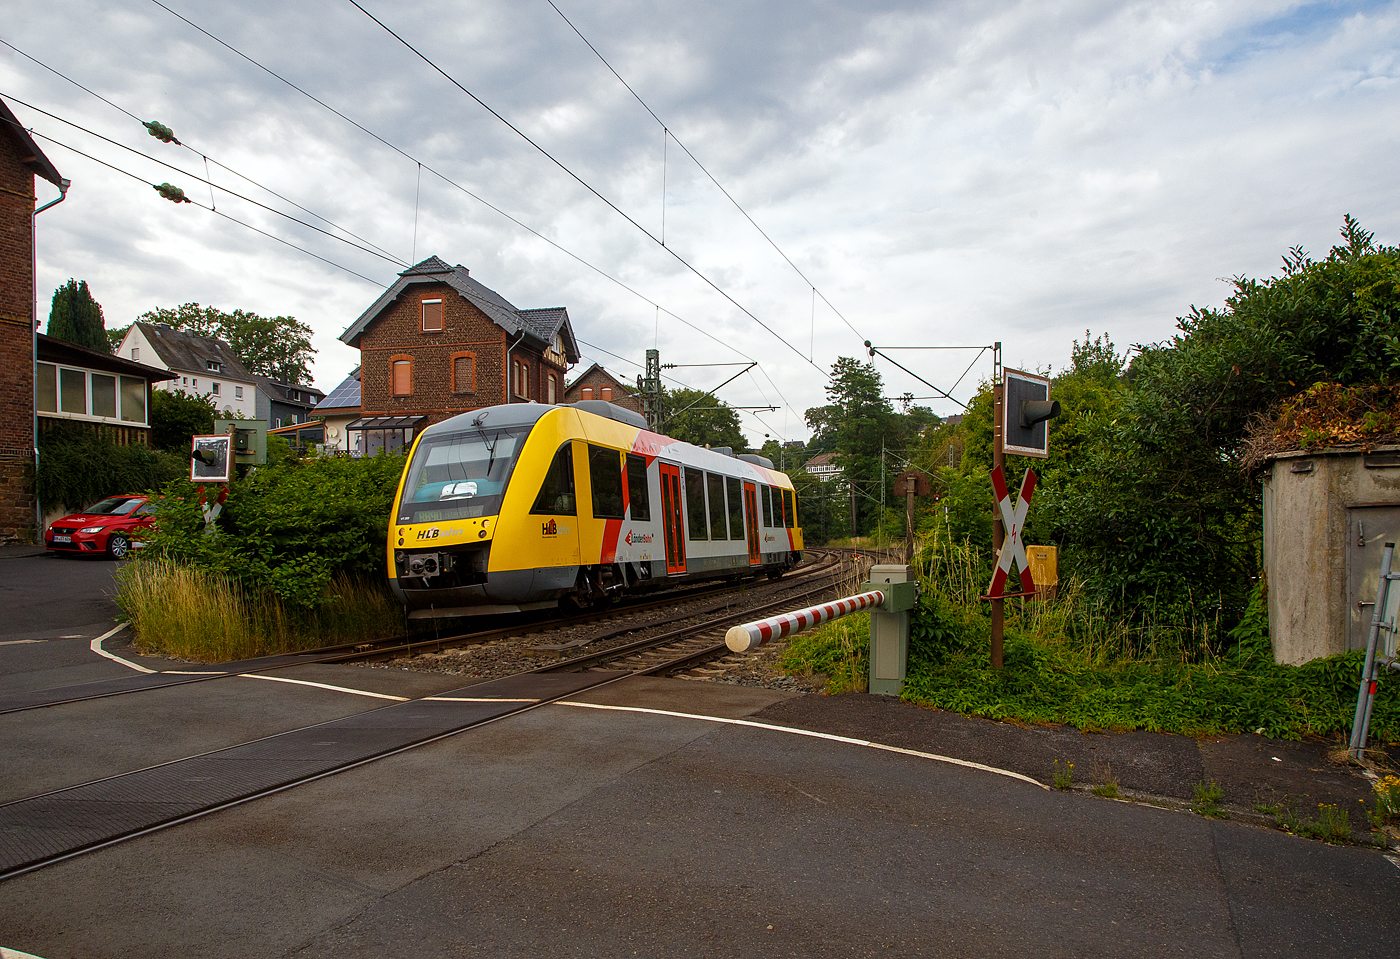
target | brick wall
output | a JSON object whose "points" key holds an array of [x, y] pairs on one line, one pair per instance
{"points": [[597, 379], [398, 333], [16, 345]]}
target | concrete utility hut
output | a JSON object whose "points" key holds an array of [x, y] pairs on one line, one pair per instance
{"points": [[1327, 515]]}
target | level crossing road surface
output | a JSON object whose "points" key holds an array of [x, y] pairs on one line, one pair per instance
{"points": [[573, 831], [570, 830]]}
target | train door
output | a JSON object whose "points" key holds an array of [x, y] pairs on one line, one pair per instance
{"points": [[674, 525], [751, 523]]}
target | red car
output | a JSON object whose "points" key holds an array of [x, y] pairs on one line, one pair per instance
{"points": [[112, 526]]}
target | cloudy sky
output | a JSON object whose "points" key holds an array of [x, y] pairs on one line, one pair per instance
{"points": [[943, 173]]}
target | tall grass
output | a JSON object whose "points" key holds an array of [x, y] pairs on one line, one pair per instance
{"points": [[189, 613]]}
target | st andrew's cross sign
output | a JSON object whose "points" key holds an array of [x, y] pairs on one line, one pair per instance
{"points": [[1013, 519]]}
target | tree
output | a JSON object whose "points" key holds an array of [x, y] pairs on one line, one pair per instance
{"points": [[698, 417], [76, 317], [275, 346], [856, 424], [176, 416], [1161, 506]]}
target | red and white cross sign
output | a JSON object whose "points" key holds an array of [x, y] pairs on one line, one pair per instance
{"points": [[1013, 519]]}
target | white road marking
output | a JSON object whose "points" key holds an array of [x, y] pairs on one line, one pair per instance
{"points": [[21, 642], [15, 953], [193, 672], [96, 646], [336, 689], [805, 732], [470, 699]]}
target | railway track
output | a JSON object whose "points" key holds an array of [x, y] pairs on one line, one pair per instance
{"points": [[55, 826]]}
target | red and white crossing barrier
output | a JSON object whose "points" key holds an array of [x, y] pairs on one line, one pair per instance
{"points": [[740, 639]]}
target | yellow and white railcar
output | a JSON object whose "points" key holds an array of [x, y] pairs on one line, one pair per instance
{"points": [[517, 507]]}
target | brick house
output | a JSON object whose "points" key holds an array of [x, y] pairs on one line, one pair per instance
{"points": [[596, 383], [21, 161], [437, 343]]}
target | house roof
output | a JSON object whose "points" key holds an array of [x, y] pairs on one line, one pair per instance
{"points": [[53, 350], [346, 396], [579, 379], [540, 325], [821, 459], [190, 353], [29, 152], [278, 392]]}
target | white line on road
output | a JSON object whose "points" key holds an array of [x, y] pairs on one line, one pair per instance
{"points": [[336, 689], [96, 646], [806, 732], [470, 699], [18, 642], [15, 954]]}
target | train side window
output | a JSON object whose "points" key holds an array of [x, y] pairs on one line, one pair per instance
{"points": [[638, 497], [775, 497], [736, 507], [789, 513], [717, 524], [557, 492], [605, 476], [695, 504], [766, 499]]}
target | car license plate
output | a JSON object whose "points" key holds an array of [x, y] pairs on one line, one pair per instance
{"points": [[63, 539]]}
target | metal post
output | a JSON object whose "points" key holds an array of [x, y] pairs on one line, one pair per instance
{"points": [[998, 533], [1365, 696], [909, 520], [889, 628]]}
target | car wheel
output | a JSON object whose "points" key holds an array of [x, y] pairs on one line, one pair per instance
{"points": [[119, 547]]}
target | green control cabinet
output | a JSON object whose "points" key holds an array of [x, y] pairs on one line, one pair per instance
{"points": [[249, 440], [889, 626]]}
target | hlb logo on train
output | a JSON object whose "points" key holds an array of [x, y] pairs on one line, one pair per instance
{"points": [[552, 528], [429, 533]]}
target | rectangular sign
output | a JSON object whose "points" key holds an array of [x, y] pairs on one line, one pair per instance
{"points": [[1021, 388]]}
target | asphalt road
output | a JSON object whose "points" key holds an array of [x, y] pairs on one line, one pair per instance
{"points": [[573, 831]]}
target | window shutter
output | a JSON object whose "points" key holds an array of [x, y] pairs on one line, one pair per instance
{"points": [[586, 392], [432, 316], [606, 393], [402, 377]]}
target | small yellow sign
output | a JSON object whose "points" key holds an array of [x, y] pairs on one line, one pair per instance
{"points": [[1045, 567]]}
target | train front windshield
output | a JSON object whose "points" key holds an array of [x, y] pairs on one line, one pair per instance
{"points": [[459, 475]]}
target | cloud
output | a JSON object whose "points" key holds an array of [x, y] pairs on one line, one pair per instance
{"points": [[944, 173]]}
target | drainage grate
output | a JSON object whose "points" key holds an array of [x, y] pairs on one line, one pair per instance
{"points": [[56, 825]]}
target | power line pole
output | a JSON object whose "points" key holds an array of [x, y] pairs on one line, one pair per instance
{"points": [[649, 387]]}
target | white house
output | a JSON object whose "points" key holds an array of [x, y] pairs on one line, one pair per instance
{"points": [[204, 366]]}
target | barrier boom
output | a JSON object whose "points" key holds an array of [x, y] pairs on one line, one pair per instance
{"points": [[740, 639]]}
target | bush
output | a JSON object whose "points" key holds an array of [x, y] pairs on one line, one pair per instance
{"points": [[289, 529], [77, 466]]}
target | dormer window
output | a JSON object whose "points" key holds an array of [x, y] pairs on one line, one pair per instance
{"points": [[432, 316], [215, 366]]}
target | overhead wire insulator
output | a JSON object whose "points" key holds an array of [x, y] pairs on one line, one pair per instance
{"points": [[161, 132], [172, 193]]}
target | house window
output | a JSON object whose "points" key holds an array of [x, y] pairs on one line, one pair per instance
{"points": [[214, 388], [605, 393], [522, 379], [215, 366], [463, 373], [586, 393], [184, 381], [72, 391], [133, 399], [401, 375], [432, 316], [553, 389], [238, 392], [104, 395], [194, 383], [46, 388], [136, 353]]}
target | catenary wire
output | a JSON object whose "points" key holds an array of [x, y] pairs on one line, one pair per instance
{"points": [[589, 187], [232, 219], [205, 157], [194, 176], [484, 202], [719, 186]]}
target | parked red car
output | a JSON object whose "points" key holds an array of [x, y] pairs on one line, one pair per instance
{"points": [[112, 526]]}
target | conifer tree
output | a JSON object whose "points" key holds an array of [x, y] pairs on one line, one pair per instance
{"points": [[76, 317]]}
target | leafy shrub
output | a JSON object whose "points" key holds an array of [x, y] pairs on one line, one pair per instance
{"points": [[287, 529], [78, 466]]}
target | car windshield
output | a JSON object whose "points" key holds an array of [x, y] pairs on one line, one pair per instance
{"points": [[114, 506], [459, 475]]}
